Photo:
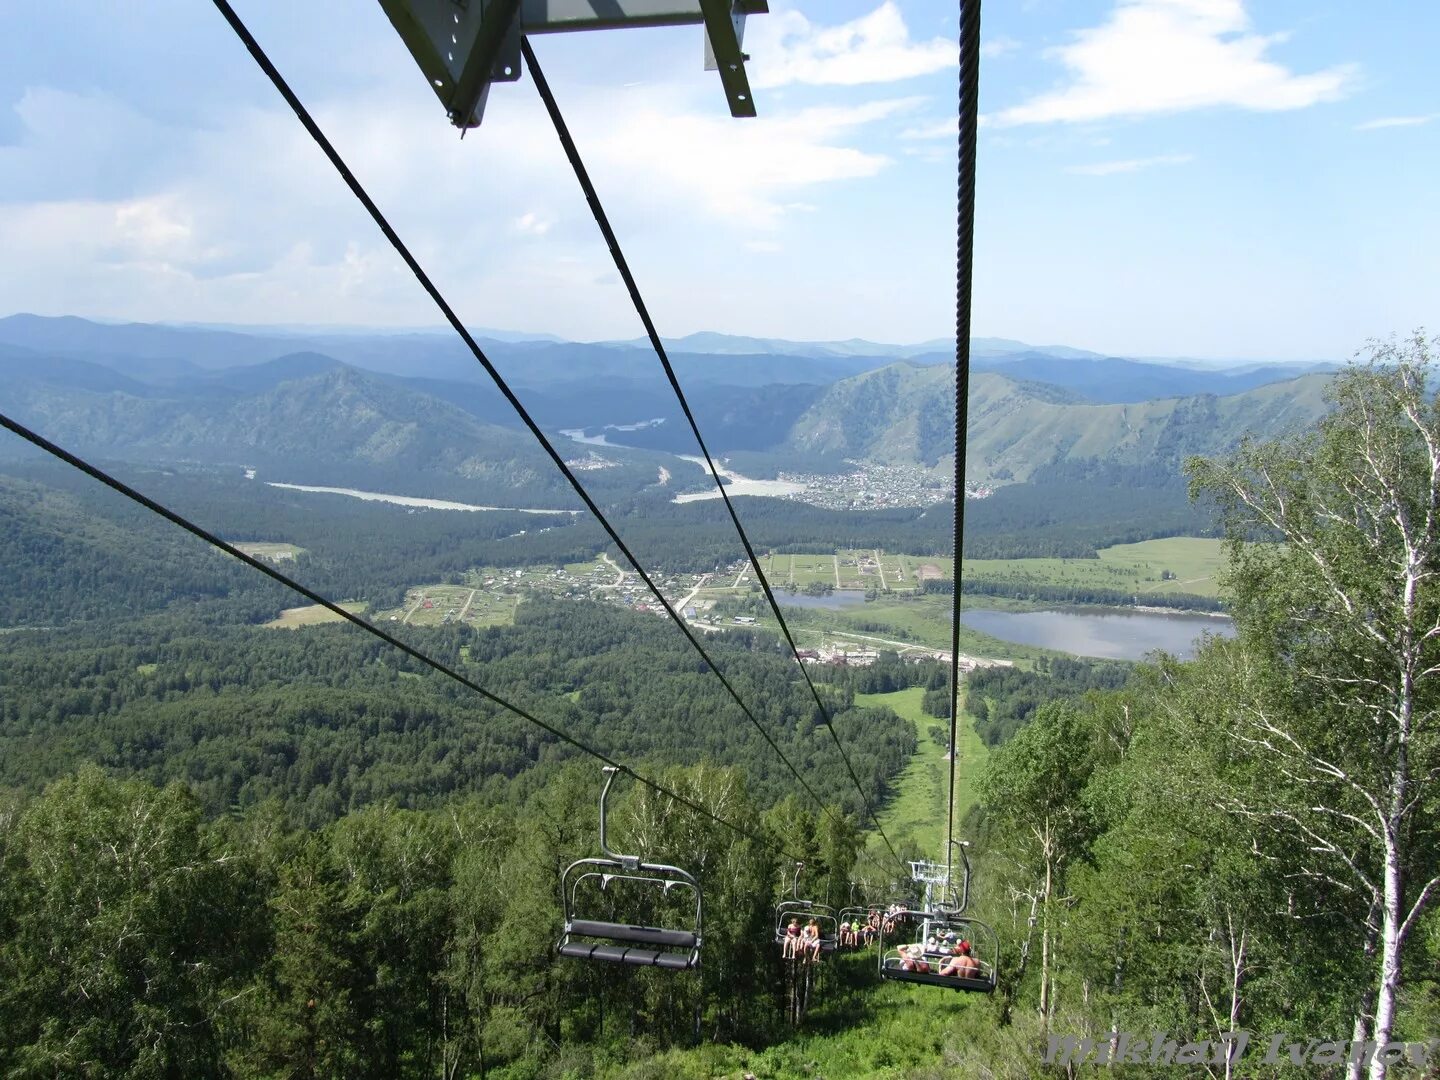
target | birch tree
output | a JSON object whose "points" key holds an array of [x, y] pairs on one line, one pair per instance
{"points": [[1339, 622], [1032, 788]]}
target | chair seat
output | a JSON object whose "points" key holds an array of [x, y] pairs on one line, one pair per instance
{"points": [[624, 954], [931, 978]]}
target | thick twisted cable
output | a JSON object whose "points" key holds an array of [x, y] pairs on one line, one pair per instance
{"points": [[964, 262]]}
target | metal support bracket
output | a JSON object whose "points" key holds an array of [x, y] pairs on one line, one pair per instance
{"points": [[724, 34], [463, 46]]}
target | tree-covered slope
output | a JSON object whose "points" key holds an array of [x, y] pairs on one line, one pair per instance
{"points": [[904, 414]]}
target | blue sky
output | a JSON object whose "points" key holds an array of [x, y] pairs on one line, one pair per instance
{"points": [[1157, 177]]}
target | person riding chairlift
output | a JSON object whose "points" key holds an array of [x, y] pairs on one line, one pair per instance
{"points": [[810, 941], [961, 964], [791, 946], [912, 958]]}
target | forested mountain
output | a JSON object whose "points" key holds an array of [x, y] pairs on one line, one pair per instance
{"points": [[332, 425], [332, 719], [1113, 380], [904, 413]]}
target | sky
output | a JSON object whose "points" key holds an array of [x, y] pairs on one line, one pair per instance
{"points": [[1204, 178]]}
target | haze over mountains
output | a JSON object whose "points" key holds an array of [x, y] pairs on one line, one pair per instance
{"points": [[416, 409]]}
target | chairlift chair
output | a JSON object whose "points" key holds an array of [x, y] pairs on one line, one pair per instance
{"points": [[932, 947], [673, 948], [942, 924], [796, 908]]}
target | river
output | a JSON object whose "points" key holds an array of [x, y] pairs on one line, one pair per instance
{"points": [[738, 485], [1110, 635], [408, 500]]}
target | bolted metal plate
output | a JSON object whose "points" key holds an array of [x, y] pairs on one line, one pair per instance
{"points": [[463, 46]]}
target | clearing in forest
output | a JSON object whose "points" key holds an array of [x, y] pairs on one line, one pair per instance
{"points": [[1179, 564], [312, 615], [918, 809], [270, 552], [471, 604]]}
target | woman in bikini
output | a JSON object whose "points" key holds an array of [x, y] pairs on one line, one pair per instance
{"points": [[791, 946]]}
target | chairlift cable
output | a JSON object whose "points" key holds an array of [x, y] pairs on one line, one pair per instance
{"points": [[969, 95], [210, 538], [308, 122], [602, 220]]}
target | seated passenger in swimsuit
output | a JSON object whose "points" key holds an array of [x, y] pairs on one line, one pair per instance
{"points": [[792, 940], [810, 940], [846, 937], [961, 964], [912, 958], [872, 924]]}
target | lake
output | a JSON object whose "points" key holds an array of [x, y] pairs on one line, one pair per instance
{"points": [[845, 598], [1118, 635]]}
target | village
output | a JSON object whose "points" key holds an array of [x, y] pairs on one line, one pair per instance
{"points": [[725, 599], [869, 486]]}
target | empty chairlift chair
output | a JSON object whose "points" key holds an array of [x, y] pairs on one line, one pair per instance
{"points": [[586, 881]]}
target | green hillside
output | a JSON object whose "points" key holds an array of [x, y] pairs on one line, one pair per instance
{"points": [[904, 414], [340, 427]]}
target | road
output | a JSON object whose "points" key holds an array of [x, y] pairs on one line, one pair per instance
{"points": [[469, 600], [619, 574], [680, 607]]}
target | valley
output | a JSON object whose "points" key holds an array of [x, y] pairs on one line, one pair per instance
{"points": [[412, 498], [850, 605]]}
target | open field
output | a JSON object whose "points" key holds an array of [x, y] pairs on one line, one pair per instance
{"points": [[312, 615], [917, 812], [1135, 568], [436, 605], [270, 552], [864, 569]]}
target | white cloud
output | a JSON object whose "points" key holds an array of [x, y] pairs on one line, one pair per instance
{"points": [[948, 128], [875, 48], [763, 247], [1396, 121], [532, 224], [1162, 56], [246, 221], [1110, 168], [998, 46], [745, 171]]}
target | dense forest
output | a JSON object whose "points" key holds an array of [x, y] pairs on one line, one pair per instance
{"points": [[332, 720], [1001, 700], [139, 938], [1250, 842]]}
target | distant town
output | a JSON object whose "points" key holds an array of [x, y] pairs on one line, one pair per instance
{"points": [[707, 602]]}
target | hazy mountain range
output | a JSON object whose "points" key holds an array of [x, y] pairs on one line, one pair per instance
{"points": [[413, 408]]}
